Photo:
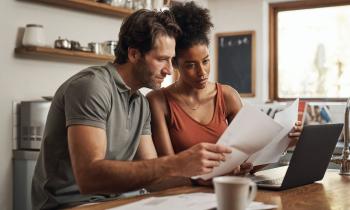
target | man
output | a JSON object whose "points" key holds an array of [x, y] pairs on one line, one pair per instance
{"points": [[99, 123]]}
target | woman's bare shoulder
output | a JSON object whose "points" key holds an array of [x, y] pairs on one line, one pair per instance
{"points": [[230, 93], [232, 99], [157, 99], [155, 95]]}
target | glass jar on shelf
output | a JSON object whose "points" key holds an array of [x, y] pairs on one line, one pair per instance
{"points": [[138, 4], [129, 4], [118, 3]]}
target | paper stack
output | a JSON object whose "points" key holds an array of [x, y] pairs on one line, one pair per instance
{"points": [[255, 138]]}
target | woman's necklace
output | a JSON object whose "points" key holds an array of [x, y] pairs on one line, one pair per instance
{"points": [[190, 106]]}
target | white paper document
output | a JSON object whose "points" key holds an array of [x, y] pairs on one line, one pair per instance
{"points": [[272, 152], [192, 201], [255, 137]]}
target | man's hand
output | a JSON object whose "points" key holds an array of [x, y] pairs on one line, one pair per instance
{"points": [[295, 134], [199, 159]]}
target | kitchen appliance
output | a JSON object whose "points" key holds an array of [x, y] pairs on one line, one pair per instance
{"points": [[33, 116]]}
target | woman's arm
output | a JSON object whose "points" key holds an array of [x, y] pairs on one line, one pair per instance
{"points": [[233, 102], [160, 113]]}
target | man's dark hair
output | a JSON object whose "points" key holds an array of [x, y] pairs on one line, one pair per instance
{"points": [[194, 22], [141, 29]]}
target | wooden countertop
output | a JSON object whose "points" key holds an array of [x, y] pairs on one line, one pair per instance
{"points": [[333, 192]]}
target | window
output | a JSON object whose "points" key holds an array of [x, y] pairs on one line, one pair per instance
{"points": [[310, 50]]}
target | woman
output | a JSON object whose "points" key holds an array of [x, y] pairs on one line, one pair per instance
{"points": [[192, 110]]}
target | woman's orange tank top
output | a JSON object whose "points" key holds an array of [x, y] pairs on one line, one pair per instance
{"points": [[185, 131]]}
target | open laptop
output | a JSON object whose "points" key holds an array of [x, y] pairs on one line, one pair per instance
{"points": [[309, 162]]}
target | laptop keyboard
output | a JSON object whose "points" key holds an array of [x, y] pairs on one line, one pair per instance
{"points": [[277, 181]]}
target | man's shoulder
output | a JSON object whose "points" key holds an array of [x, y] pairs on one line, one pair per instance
{"points": [[91, 77], [88, 83], [94, 73]]}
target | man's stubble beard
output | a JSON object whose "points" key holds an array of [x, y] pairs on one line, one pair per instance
{"points": [[144, 75]]}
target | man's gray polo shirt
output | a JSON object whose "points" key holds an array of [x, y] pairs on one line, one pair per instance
{"points": [[98, 97]]}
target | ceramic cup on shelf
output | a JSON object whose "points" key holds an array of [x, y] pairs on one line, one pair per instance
{"points": [[234, 193], [34, 35]]}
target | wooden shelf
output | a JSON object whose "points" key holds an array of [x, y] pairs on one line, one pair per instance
{"points": [[71, 54], [91, 6]]}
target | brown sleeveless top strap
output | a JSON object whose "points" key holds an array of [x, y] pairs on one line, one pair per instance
{"points": [[185, 131]]}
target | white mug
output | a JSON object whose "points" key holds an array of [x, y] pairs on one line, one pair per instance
{"points": [[234, 193]]}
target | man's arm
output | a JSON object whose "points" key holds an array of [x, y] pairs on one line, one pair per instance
{"points": [[94, 174], [145, 151]]}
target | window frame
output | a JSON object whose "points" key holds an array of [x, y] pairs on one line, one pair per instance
{"points": [[274, 8]]}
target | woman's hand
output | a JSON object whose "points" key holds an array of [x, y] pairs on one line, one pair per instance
{"points": [[257, 168], [295, 134], [242, 170]]}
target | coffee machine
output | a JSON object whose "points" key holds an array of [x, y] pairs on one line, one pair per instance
{"points": [[33, 116]]}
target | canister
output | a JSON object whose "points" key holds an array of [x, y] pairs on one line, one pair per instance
{"points": [[109, 47], [34, 35]]}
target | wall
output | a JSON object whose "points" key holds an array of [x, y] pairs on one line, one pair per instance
{"points": [[243, 15], [246, 15], [240, 15], [23, 78]]}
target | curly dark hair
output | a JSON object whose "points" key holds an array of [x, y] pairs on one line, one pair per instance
{"points": [[140, 30], [194, 22]]}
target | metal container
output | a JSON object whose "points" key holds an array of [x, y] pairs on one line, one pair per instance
{"points": [[95, 47], [74, 45], [109, 46], [62, 43]]}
